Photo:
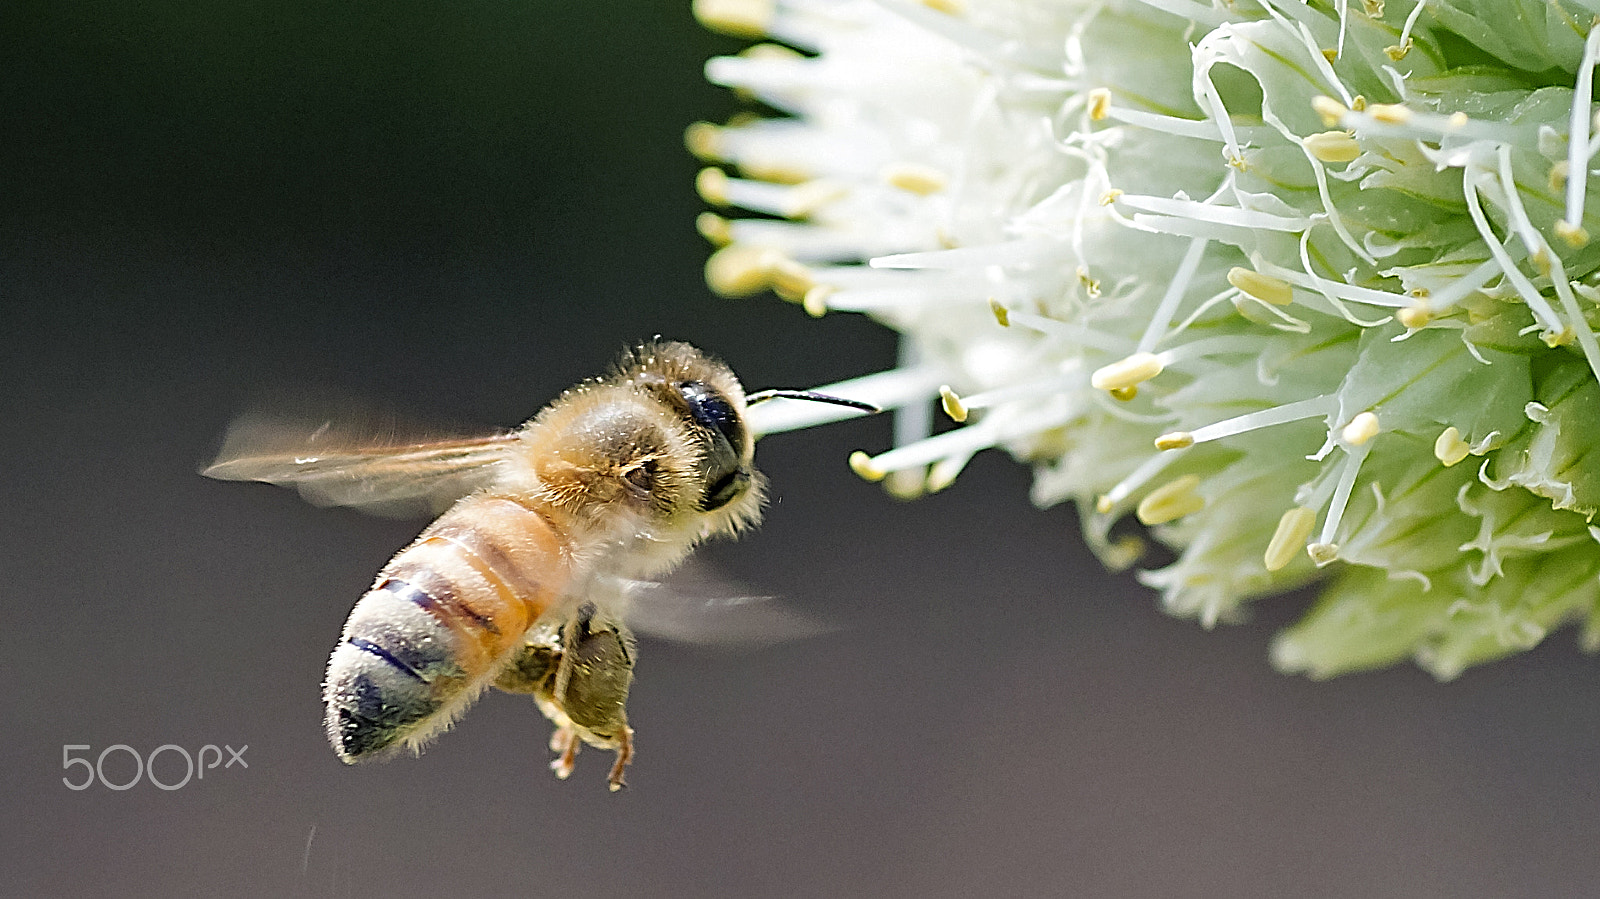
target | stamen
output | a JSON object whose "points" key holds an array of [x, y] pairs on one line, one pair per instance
{"points": [[1175, 440], [704, 140], [1330, 110], [815, 302], [1411, 22], [1322, 553], [1136, 479], [790, 280], [952, 404], [922, 180], [1542, 312], [1361, 429], [1414, 317], [861, 464], [748, 19], [739, 270], [712, 186], [1315, 407], [1341, 495], [1450, 448], [1099, 102], [1171, 501], [1128, 372], [1390, 113], [1265, 288], [1333, 146], [1177, 289], [714, 228], [1578, 142], [1293, 529]]}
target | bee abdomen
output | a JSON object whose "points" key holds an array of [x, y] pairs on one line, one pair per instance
{"points": [[393, 671], [447, 614]]}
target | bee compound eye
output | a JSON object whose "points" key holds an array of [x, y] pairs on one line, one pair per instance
{"points": [[712, 411]]}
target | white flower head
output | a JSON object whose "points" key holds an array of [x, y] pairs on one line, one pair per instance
{"points": [[1300, 286]]}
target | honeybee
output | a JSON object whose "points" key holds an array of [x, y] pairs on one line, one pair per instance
{"points": [[520, 585]]}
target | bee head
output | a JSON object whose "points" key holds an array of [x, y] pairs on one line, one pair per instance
{"points": [[663, 435], [707, 398]]}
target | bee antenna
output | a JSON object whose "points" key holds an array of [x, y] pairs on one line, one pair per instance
{"points": [[813, 396]]}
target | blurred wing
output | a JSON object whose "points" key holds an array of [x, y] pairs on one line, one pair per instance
{"points": [[331, 466], [698, 606]]}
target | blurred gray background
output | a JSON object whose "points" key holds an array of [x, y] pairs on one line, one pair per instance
{"points": [[458, 209]]}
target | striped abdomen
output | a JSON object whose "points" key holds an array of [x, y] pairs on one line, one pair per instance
{"points": [[446, 614]]}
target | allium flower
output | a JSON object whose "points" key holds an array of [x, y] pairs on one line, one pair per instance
{"points": [[1298, 285]]}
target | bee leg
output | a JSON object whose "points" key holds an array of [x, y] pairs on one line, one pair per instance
{"points": [[624, 756], [565, 743]]}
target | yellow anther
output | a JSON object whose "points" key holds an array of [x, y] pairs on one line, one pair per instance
{"points": [[1099, 104], [1103, 504], [704, 140], [1329, 109], [948, 7], [999, 313], [1265, 288], [1123, 552], [1175, 441], [739, 270], [1373, 8], [1390, 113], [815, 302], [952, 403], [1457, 120], [1323, 553], [1540, 258], [1091, 286], [921, 180], [1358, 103], [712, 186], [1129, 372], [907, 483], [1414, 317], [804, 199], [775, 172], [1553, 339], [714, 228], [1557, 182], [1574, 235], [1398, 52], [791, 280], [1293, 529], [1450, 448], [1362, 428], [861, 464], [1111, 196], [739, 18], [1124, 394], [1332, 146], [1331, 54], [1171, 501]]}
